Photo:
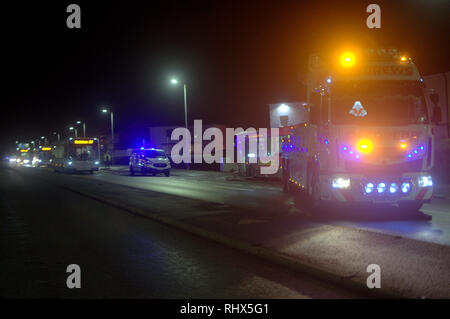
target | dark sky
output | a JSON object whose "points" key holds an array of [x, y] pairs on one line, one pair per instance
{"points": [[235, 56]]}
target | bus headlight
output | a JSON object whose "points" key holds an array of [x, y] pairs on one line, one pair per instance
{"points": [[424, 181], [341, 182]]}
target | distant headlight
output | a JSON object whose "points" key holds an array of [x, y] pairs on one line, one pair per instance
{"points": [[26, 161], [425, 181], [12, 160], [340, 182], [69, 163], [97, 162]]}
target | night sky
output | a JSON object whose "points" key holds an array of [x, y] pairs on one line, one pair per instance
{"points": [[235, 56]]}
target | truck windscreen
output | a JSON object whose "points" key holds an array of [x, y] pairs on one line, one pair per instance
{"points": [[378, 103]]}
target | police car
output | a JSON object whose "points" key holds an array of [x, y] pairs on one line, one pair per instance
{"points": [[149, 160]]}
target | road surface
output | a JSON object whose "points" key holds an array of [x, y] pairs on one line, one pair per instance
{"points": [[44, 228], [432, 224]]}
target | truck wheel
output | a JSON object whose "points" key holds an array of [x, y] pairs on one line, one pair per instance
{"points": [[131, 171]]}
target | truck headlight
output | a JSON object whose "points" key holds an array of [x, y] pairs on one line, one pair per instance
{"points": [[425, 181], [381, 187], [406, 187], [341, 182], [369, 188]]}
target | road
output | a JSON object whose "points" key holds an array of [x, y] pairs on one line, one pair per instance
{"points": [[432, 224], [44, 228]]}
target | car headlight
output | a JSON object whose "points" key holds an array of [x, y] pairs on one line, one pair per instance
{"points": [[425, 181], [69, 163], [341, 182]]}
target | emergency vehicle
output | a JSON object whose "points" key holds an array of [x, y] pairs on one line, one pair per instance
{"points": [[149, 160], [76, 155], [369, 136]]}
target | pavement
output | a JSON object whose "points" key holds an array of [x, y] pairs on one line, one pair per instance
{"points": [[239, 215]]}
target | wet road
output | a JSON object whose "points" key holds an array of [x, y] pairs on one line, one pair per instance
{"points": [[432, 224], [44, 228]]}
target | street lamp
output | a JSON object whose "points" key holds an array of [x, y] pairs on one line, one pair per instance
{"points": [[57, 135], [106, 110], [174, 81], [84, 127], [75, 130]]}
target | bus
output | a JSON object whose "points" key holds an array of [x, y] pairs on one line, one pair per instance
{"points": [[76, 155], [43, 156]]}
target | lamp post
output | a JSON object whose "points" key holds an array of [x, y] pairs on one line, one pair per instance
{"points": [[75, 130], [57, 136], [84, 127], [175, 82], [106, 110]]}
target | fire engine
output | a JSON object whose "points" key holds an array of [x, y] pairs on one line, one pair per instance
{"points": [[368, 137]]}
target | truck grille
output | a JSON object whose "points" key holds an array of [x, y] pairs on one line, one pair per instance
{"points": [[357, 167]]}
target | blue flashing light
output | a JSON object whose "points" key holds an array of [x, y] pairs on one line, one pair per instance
{"points": [[326, 142], [351, 152], [142, 148], [421, 147], [416, 151], [409, 155], [344, 148], [357, 155]]}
